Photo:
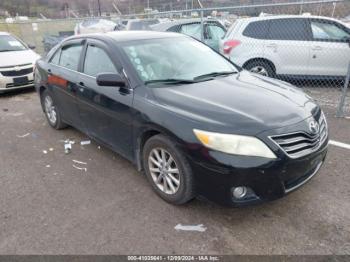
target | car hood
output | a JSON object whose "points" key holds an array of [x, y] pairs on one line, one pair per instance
{"points": [[14, 58], [244, 103]]}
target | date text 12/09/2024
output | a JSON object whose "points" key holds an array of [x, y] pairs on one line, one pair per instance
{"points": [[173, 258]]}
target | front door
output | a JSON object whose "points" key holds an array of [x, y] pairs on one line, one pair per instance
{"points": [[288, 46], [330, 50], [105, 110]]}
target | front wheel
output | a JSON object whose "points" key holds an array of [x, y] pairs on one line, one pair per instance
{"points": [[260, 67], [168, 170], [51, 111]]}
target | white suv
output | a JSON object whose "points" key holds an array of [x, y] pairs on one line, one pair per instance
{"points": [[289, 46], [16, 63]]}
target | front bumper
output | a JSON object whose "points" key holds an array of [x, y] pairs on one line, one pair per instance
{"points": [[268, 179], [7, 83]]}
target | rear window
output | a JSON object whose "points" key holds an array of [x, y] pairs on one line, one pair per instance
{"points": [[258, 29], [288, 29], [70, 56]]}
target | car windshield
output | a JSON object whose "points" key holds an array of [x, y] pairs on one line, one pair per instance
{"points": [[176, 59], [9, 43]]}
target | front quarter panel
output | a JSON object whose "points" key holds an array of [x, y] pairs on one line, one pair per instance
{"points": [[151, 115]]}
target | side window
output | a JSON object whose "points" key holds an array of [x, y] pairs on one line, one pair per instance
{"points": [[215, 32], [324, 30], [70, 56], [257, 29], [288, 29], [193, 30], [55, 59], [97, 61]]}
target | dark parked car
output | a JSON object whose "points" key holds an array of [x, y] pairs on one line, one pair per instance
{"points": [[194, 122], [213, 31]]}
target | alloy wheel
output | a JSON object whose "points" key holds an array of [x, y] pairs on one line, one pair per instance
{"points": [[50, 110], [164, 171], [259, 70]]}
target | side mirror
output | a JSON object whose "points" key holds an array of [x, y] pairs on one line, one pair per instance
{"points": [[31, 46], [110, 79]]}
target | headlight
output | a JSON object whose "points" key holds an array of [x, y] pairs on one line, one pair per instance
{"points": [[234, 144]]}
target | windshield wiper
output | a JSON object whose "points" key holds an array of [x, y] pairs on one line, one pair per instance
{"points": [[7, 50], [215, 74], [170, 81]]}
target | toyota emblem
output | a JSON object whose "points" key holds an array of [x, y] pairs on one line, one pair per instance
{"points": [[314, 127]]}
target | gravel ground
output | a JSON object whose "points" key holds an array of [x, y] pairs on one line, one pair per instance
{"points": [[50, 207]]}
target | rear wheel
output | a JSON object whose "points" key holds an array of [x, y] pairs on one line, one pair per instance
{"points": [[168, 170], [51, 111], [260, 67]]}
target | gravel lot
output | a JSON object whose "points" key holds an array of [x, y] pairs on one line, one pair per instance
{"points": [[50, 207]]}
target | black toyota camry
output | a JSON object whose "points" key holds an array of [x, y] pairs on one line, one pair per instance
{"points": [[193, 122]]}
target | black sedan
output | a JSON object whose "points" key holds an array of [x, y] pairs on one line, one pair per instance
{"points": [[193, 122]]}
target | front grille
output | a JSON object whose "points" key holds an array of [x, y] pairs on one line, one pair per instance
{"points": [[20, 72], [30, 82], [300, 144]]}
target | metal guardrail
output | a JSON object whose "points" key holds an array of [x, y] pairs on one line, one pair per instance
{"points": [[199, 10]]}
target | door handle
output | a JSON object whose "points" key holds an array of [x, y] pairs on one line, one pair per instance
{"points": [[272, 46], [317, 48]]}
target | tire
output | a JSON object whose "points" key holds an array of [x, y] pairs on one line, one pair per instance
{"points": [[184, 190], [261, 67], [53, 117]]}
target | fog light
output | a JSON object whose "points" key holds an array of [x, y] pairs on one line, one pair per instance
{"points": [[240, 192]]}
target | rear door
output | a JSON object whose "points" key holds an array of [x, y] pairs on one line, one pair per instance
{"points": [[288, 45], [330, 51], [105, 110], [62, 73]]}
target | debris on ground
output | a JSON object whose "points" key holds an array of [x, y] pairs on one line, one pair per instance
{"points": [[68, 141], [48, 166], [45, 151], [68, 145], [51, 149], [22, 136], [79, 162], [67, 148], [80, 168], [5, 110], [86, 142], [199, 228]]}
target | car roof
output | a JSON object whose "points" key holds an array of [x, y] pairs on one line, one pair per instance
{"points": [[123, 36], [166, 25], [4, 33], [271, 17]]}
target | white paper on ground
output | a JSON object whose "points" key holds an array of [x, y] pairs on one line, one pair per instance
{"points": [[199, 228]]}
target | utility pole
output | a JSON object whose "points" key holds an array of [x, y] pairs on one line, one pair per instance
{"points": [[334, 6], [99, 7]]}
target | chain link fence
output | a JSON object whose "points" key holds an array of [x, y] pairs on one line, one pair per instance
{"points": [[299, 42]]}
